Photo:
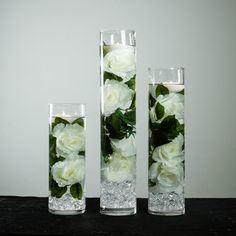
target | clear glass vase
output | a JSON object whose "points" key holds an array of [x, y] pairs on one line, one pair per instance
{"points": [[166, 142], [118, 122], [67, 159]]}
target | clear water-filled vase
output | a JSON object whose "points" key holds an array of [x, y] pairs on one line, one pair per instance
{"points": [[166, 142], [67, 128], [118, 122]]}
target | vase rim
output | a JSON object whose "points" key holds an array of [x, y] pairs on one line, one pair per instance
{"points": [[117, 31]]}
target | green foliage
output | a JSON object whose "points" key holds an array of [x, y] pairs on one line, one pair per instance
{"points": [[129, 117], [151, 100], [181, 92], [82, 153], [105, 146], [159, 109], [131, 83], [164, 132], [56, 191], [161, 90], [116, 126], [59, 120], [76, 191], [150, 183], [133, 104], [111, 76], [79, 121]]}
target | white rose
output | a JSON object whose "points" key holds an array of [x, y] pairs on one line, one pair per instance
{"points": [[116, 95], [68, 172], [170, 153], [119, 168], [167, 177], [126, 146], [173, 105], [120, 61], [70, 139]]}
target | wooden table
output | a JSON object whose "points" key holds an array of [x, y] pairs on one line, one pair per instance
{"points": [[29, 215]]}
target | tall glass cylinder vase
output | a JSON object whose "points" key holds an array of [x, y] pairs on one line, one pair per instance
{"points": [[67, 159], [118, 122], [166, 142]]}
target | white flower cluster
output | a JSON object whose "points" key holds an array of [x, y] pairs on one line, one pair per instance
{"points": [[122, 161], [173, 104], [167, 170], [119, 60], [70, 140]]}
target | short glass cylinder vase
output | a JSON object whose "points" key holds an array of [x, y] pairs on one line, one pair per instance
{"points": [[118, 122], [166, 142], [67, 137]]}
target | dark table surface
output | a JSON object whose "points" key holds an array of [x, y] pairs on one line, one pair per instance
{"points": [[29, 215]]}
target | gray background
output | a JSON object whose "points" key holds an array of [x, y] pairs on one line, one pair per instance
{"points": [[49, 52]]}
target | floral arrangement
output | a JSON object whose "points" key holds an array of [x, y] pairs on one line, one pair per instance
{"points": [[166, 138], [67, 157], [118, 124]]}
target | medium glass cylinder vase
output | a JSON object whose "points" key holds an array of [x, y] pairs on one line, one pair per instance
{"points": [[67, 159], [166, 142], [118, 122]]}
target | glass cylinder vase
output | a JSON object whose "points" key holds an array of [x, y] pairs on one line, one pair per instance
{"points": [[166, 142], [118, 122], [67, 159]]}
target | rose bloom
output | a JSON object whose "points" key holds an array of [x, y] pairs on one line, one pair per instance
{"points": [[167, 177], [170, 153], [120, 60], [69, 172], [119, 168], [126, 146], [173, 105], [116, 95], [70, 139]]}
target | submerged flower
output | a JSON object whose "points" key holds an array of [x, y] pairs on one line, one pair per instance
{"points": [[173, 104], [70, 139], [68, 172], [119, 168], [170, 153], [126, 146], [120, 61], [166, 177], [116, 95]]}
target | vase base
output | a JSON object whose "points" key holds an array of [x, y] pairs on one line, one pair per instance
{"points": [[167, 213], [118, 211], [66, 212]]}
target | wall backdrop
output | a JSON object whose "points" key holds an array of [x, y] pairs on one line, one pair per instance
{"points": [[49, 52]]}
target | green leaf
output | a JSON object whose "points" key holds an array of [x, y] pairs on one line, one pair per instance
{"points": [[164, 132], [56, 191], [150, 183], [105, 159], [111, 76], [161, 90], [106, 147], [159, 111], [52, 150], [79, 121], [76, 191], [181, 92], [130, 117], [131, 83], [180, 128], [152, 101], [59, 120], [116, 126], [133, 104], [82, 153]]}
